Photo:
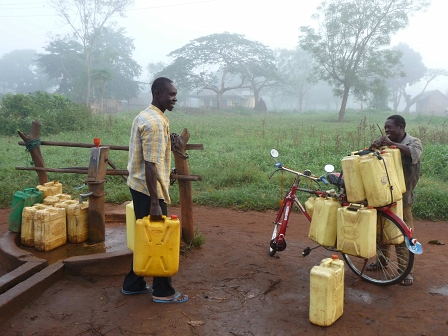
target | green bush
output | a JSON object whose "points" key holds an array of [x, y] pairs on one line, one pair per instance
{"points": [[55, 111]]}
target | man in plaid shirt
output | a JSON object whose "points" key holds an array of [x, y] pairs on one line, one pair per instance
{"points": [[149, 179]]}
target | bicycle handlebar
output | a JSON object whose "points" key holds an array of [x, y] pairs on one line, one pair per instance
{"points": [[280, 166]]}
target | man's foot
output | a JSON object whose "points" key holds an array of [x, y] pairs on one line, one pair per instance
{"points": [[147, 290], [409, 280], [176, 298], [377, 266]]}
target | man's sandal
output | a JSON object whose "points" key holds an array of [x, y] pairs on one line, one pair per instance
{"points": [[147, 290], [176, 298], [409, 280], [375, 267]]}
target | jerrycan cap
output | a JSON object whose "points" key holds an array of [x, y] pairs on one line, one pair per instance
{"points": [[334, 257], [393, 146], [174, 217]]}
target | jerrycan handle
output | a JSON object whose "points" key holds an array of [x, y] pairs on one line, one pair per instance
{"points": [[161, 221], [354, 207]]}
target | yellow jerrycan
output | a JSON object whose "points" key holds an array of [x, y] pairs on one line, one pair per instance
{"points": [[130, 225], [77, 220], [50, 228], [157, 247], [309, 205], [396, 155], [327, 291], [387, 232], [354, 187], [356, 231], [323, 224], [378, 176], [27, 232]]}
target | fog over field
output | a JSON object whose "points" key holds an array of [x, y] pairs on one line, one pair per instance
{"points": [[161, 27]]}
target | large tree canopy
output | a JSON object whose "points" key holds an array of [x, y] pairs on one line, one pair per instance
{"points": [[19, 73], [112, 68], [87, 18], [351, 36], [222, 62]]}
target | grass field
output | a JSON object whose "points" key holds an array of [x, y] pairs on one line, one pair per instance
{"points": [[235, 164]]}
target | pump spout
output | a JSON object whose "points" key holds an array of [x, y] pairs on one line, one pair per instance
{"points": [[81, 196]]}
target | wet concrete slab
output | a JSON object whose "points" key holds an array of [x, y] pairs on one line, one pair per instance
{"points": [[115, 240], [31, 272]]}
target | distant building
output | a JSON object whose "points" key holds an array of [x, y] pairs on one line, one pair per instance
{"points": [[432, 102], [230, 98]]}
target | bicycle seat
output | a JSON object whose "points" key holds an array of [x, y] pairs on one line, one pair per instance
{"points": [[336, 179]]}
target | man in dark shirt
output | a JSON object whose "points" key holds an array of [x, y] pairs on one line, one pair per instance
{"points": [[411, 153]]}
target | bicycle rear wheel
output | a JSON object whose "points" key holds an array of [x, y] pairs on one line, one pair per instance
{"points": [[393, 260]]}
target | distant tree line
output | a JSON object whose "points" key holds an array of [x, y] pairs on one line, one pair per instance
{"points": [[346, 53]]}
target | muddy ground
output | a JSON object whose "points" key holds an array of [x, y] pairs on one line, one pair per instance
{"points": [[236, 288]]}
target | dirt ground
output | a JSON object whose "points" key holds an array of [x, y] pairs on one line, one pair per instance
{"points": [[236, 288]]}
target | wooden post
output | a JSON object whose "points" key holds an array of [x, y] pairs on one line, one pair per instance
{"points": [[36, 154], [186, 202]]}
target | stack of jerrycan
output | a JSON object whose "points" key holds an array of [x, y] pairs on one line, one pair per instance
{"points": [[52, 200], [356, 230], [157, 246], [327, 291], [323, 223], [372, 178], [50, 188], [27, 232], [50, 223], [20, 200], [77, 216]]}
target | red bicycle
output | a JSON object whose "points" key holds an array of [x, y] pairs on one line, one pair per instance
{"points": [[391, 264]]}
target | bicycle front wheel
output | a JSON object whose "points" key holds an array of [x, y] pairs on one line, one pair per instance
{"points": [[274, 236], [393, 260]]}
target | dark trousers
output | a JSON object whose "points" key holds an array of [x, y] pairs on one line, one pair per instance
{"points": [[132, 282]]}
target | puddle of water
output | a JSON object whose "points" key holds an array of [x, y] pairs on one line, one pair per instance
{"points": [[115, 240], [439, 290], [358, 295]]}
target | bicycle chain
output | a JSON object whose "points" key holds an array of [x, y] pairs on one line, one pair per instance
{"points": [[176, 142]]}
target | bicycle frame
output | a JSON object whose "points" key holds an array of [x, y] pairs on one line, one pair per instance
{"points": [[285, 210]]}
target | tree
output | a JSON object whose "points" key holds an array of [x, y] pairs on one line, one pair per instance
{"points": [[295, 69], [87, 18], [153, 69], [411, 70], [350, 35], [64, 61], [19, 72], [102, 76], [221, 62], [113, 52]]}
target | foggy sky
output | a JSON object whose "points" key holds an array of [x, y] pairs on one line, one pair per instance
{"points": [[161, 27]]}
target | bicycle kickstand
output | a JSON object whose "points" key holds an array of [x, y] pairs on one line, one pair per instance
{"points": [[307, 250]]}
